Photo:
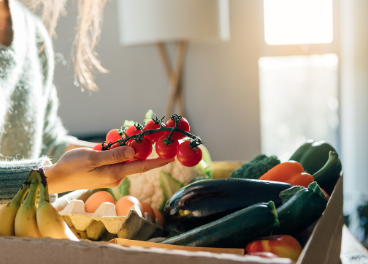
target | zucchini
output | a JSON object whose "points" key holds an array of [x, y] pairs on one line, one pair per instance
{"points": [[303, 206], [232, 231], [205, 201]]}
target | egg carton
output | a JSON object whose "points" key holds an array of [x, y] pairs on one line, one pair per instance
{"points": [[104, 224]]}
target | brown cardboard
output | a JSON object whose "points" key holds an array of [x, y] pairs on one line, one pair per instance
{"points": [[94, 226], [324, 244], [129, 226], [323, 247], [145, 244], [16, 250]]}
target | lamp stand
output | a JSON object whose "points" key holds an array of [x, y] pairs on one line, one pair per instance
{"points": [[174, 77]]}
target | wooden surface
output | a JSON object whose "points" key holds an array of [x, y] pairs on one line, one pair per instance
{"points": [[352, 252]]}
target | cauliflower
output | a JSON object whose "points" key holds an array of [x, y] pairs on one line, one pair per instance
{"points": [[156, 186]]}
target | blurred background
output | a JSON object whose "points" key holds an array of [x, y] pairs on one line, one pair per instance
{"points": [[282, 72]]}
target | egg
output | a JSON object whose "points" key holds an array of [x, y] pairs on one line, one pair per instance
{"points": [[159, 217], [125, 203], [96, 199], [148, 209]]}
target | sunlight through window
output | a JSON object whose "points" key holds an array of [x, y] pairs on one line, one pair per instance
{"points": [[298, 21], [299, 101]]}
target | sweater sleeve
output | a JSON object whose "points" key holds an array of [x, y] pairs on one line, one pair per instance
{"points": [[14, 173], [55, 137]]}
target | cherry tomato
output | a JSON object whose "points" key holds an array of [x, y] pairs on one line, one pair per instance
{"points": [[132, 130], [98, 147], [182, 124], [142, 148], [166, 151], [151, 125], [112, 136], [116, 145], [188, 156]]}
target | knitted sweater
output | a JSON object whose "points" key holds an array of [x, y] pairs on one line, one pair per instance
{"points": [[30, 130]]}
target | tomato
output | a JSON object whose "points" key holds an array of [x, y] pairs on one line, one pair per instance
{"points": [[142, 148], [166, 151], [98, 147], [182, 124], [151, 125], [116, 145], [188, 156], [283, 246], [132, 130], [112, 136]]}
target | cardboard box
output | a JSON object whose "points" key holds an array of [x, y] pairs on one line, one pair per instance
{"points": [[323, 247]]}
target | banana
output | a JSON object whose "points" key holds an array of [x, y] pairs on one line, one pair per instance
{"points": [[25, 220], [49, 221], [9, 210]]}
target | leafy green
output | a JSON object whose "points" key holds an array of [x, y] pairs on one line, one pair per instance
{"points": [[148, 116], [169, 186], [121, 190], [128, 123], [255, 168], [204, 167]]}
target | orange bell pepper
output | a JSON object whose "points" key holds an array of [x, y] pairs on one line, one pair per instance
{"points": [[291, 172]]}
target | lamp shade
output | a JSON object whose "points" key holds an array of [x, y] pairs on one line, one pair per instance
{"points": [[152, 21]]}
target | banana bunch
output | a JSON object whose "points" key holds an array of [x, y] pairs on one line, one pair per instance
{"points": [[21, 217]]}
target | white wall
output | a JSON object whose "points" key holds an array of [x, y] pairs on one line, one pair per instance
{"points": [[354, 95], [220, 82]]}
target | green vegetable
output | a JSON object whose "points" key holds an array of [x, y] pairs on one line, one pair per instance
{"points": [[204, 167], [233, 230], [121, 190], [328, 175], [208, 200], [169, 186], [301, 208], [312, 155], [256, 167], [321, 160]]}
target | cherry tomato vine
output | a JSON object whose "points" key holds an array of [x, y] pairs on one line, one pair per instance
{"points": [[165, 136]]}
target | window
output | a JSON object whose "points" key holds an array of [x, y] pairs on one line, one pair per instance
{"points": [[306, 105], [300, 69], [298, 21]]}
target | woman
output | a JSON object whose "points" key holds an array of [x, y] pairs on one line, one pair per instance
{"points": [[31, 133]]}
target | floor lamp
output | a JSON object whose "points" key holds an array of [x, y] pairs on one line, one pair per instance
{"points": [[161, 22]]}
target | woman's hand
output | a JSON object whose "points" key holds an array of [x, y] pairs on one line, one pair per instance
{"points": [[85, 168]]}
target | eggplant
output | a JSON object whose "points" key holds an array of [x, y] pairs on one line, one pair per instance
{"points": [[205, 201]]}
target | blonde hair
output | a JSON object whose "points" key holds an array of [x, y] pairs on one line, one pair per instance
{"points": [[90, 14]]}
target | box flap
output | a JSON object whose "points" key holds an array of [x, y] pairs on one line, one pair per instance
{"points": [[47, 250], [324, 244]]}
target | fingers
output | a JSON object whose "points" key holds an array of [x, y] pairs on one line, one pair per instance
{"points": [[140, 166], [113, 156]]}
